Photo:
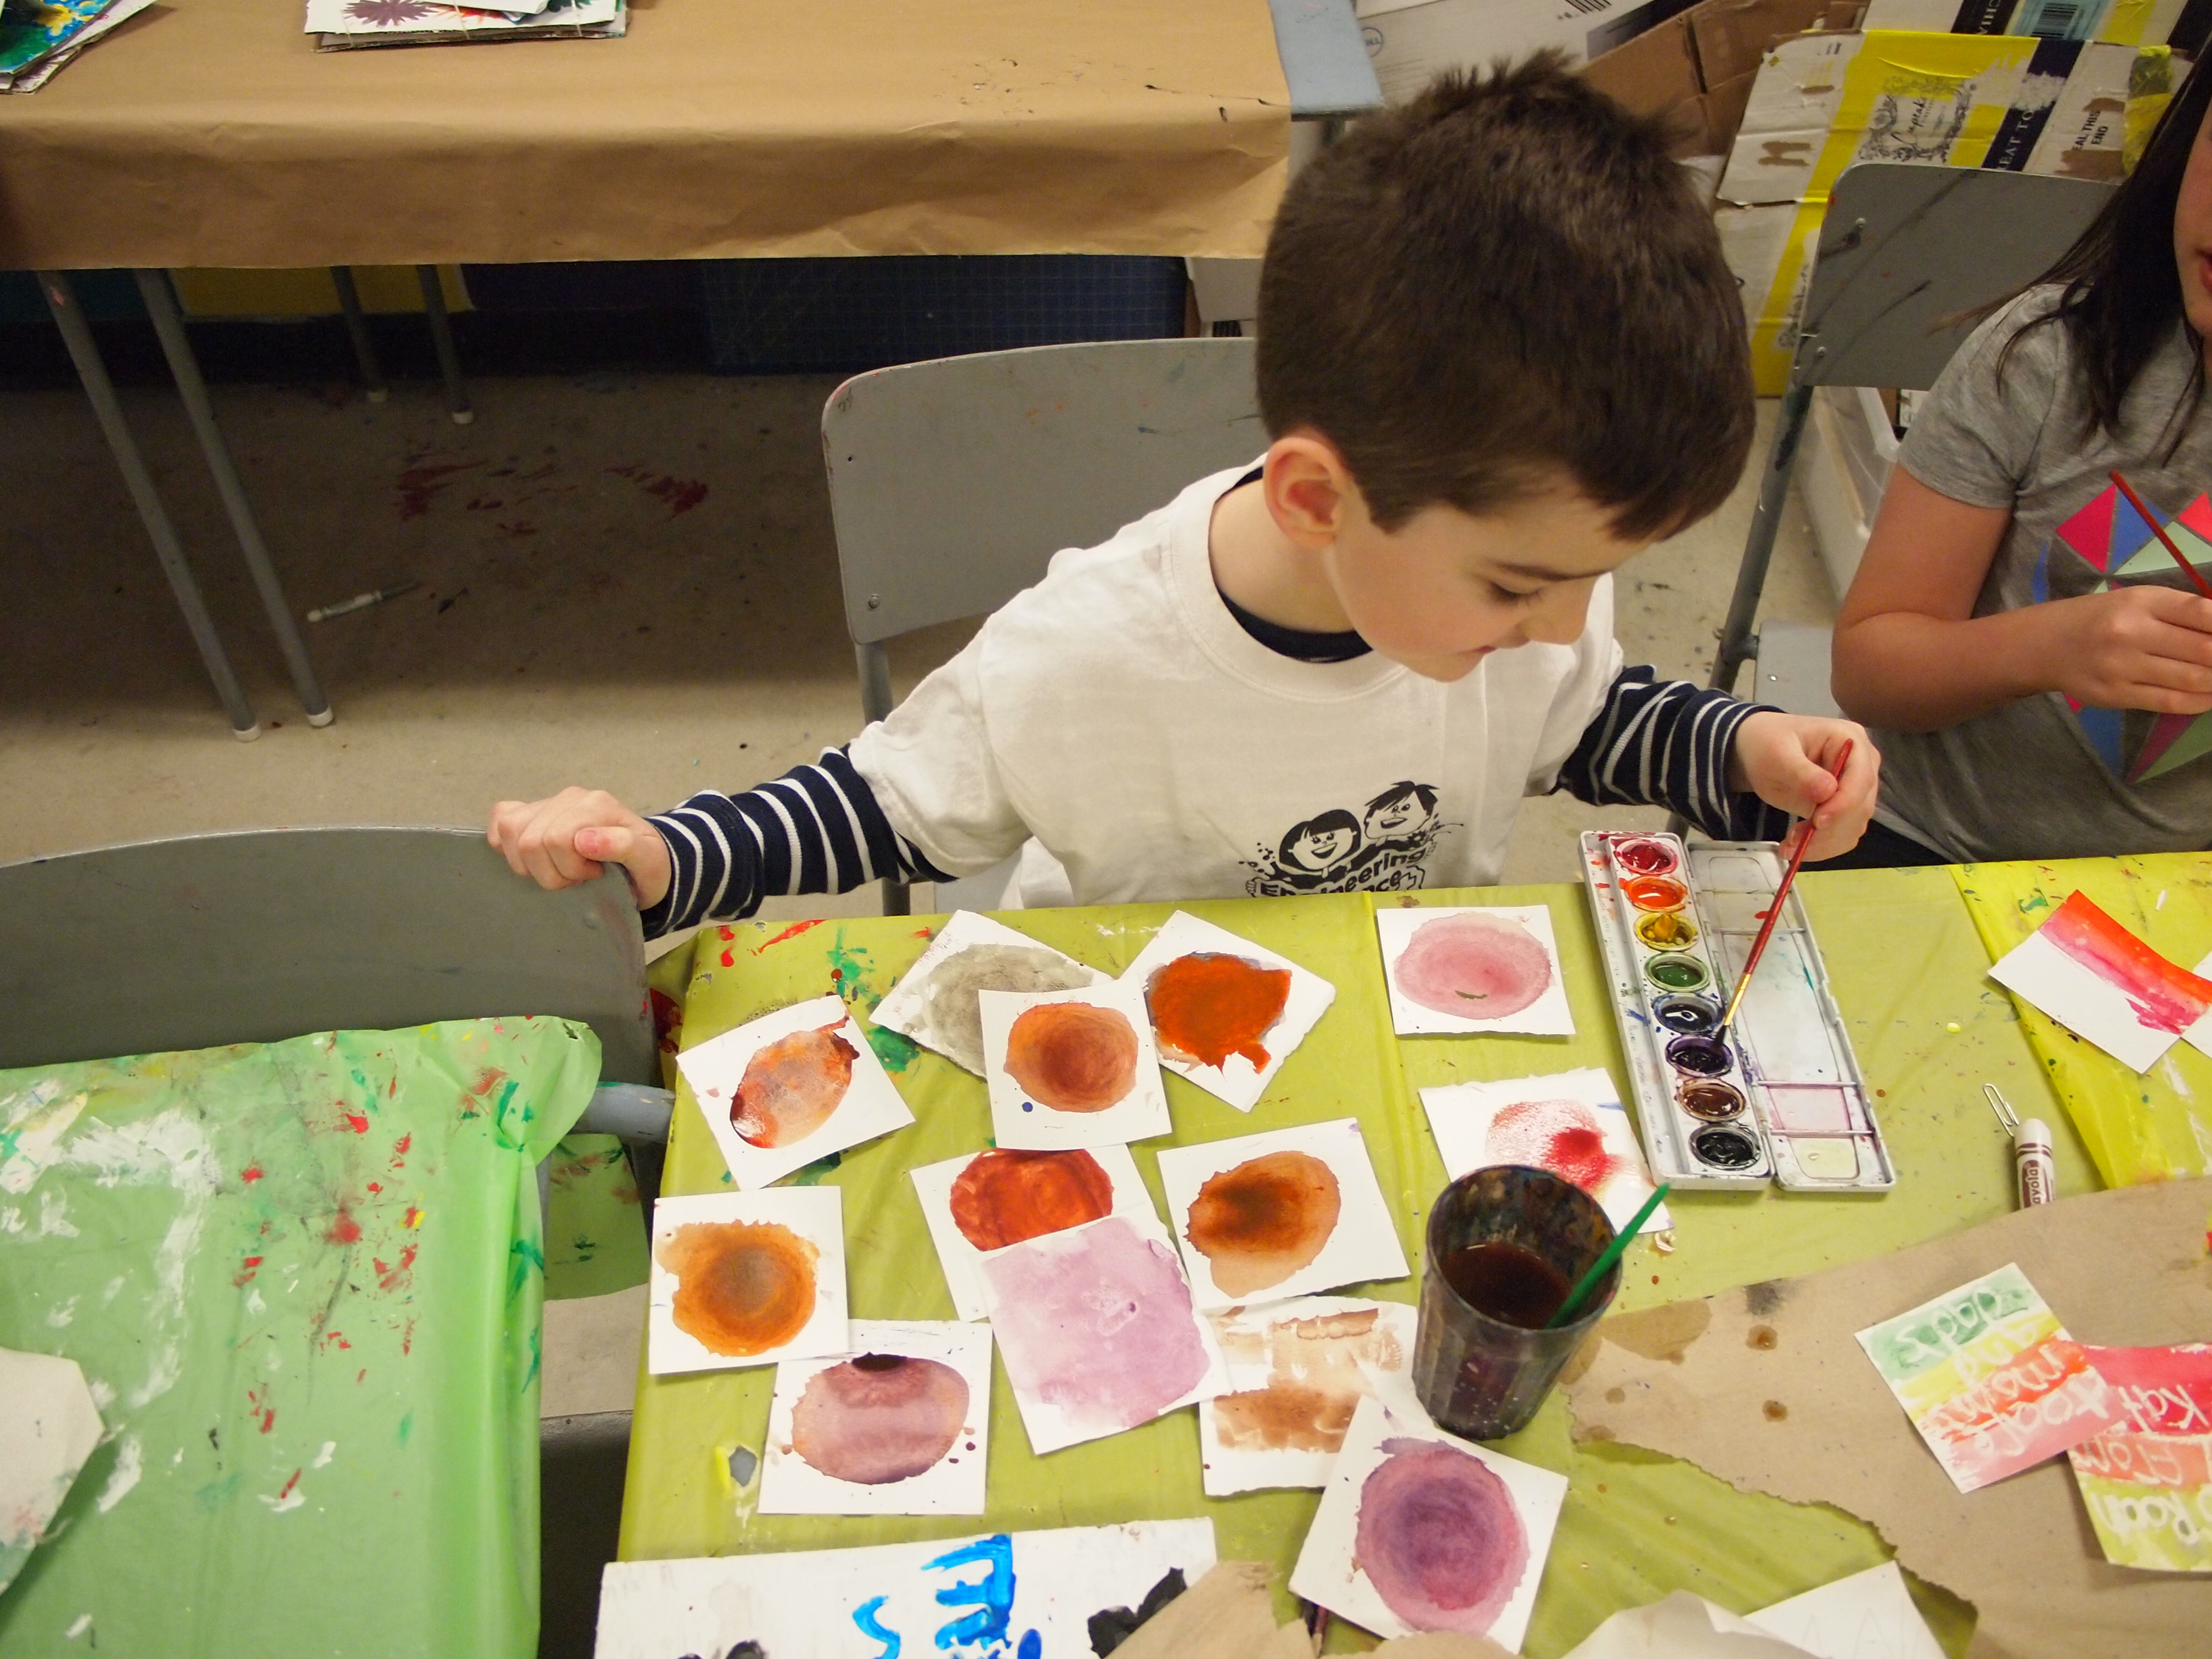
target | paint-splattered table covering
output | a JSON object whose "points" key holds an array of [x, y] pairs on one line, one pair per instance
{"points": [[1908, 971], [304, 1279], [2155, 1126]]}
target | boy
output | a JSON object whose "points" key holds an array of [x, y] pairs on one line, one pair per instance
{"points": [[1498, 354]]}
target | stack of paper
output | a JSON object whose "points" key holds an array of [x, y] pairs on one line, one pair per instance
{"points": [[343, 24], [37, 37]]}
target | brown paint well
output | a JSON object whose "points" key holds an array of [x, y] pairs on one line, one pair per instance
{"points": [[1073, 1056], [792, 1085], [742, 1287], [1258, 1224], [1208, 1005], [1004, 1197]]}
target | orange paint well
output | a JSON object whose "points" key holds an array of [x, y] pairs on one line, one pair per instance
{"points": [[1209, 1005]]}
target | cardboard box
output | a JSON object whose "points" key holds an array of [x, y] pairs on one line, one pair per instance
{"points": [[1696, 69], [2119, 22], [1410, 44]]}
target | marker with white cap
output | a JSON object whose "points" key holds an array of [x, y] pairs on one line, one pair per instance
{"points": [[2033, 1171]]}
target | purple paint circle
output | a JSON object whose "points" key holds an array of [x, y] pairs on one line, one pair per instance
{"points": [[1438, 1537], [1475, 966]]}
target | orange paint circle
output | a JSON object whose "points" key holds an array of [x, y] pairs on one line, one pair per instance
{"points": [[792, 1085], [1073, 1056], [1209, 1005], [1004, 1197], [742, 1287], [1259, 1223]]}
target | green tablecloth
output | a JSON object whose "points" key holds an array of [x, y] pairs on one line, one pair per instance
{"points": [[303, 1279], [1929, 1030]]}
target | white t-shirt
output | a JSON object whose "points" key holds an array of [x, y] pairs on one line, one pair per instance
{"points": [[1116, 726]]}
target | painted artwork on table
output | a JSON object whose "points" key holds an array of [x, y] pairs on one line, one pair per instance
{"points": [[1290, 1213], [2147, 1482], [984, 1201], [1466, 970], [1072, 1068], [1097, 1331], [1991, 1379], [49, 1425], [2117, 543], [935, 1002], [1225, 1012], [790, 1087], [1571, 1123], [746, 1279], [898, 1426], [1004, 1595], [1420, 1531], [396, 22], [1296, 1371], [2104, 984]]}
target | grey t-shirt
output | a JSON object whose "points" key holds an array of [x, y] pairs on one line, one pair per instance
{"points": [[2022, 781]]}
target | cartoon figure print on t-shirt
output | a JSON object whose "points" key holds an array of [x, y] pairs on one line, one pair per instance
{"points": [[1381, 848]]}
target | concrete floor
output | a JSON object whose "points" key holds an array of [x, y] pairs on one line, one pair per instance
{"points": [[627, 581]]}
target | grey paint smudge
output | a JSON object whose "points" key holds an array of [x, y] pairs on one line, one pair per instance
{"points": [[950, 1009]]}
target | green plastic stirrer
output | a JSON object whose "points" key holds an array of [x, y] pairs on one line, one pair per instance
{"points": [[1597, 1269]]}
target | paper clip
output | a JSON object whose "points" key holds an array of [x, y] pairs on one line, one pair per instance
{"points": [[2006, 1116]]}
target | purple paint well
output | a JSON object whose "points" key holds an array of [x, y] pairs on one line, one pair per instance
{"points": [[1439, 1538], [1097, 1321]]}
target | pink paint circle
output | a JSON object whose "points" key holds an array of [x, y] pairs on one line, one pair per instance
{"points": [[1438, 1537], [1475, 966]]}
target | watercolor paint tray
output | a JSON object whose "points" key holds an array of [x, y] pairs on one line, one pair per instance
{"points": [[1782, 1099]]}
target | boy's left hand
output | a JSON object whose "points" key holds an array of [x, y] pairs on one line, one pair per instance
{"points": [[1784, 760]]}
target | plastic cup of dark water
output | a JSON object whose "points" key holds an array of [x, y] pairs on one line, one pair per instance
{"points": [[1505, 1246]]}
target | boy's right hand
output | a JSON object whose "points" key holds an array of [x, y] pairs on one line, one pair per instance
{"points": [[570, 837], [2134, 647]]}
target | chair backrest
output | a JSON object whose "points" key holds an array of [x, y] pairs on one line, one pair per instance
{"points": [[953, 483], [202, 940], [1906, 248]]}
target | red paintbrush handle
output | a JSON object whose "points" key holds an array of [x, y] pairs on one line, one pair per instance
{"points": [[1781, 893], [2165, 540]]}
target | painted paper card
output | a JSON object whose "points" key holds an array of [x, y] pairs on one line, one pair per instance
{"points": [[1097, 1331], [897, 1426], [1072, 1068], [934, 1002], [1296, 1371], [49, 1426], [1290, 1213], [746, 1279], [1419, 1530], [1005, 1596], [984, 1201], [1991, 1378], [2104, 984], [2147, 1482], [1571, 1123], [790, 1087], [1225, 1012], [1457, 970]]}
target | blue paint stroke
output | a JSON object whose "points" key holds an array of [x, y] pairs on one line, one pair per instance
{"points": [[984, 1630], [865, 1617]]}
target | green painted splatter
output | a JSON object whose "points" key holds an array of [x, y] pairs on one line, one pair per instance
{"points": [[406, 1427], [535, 1357], [896, 1053], [811, 1174], [849, 966], [215, 1493], [2034, 902], [528, 1256]]}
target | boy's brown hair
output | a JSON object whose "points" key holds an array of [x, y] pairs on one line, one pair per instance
{"points": [[1507, 279]]}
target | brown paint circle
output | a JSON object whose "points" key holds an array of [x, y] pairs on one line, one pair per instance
{"points": [[879, 1417], [1258, 1224], [742, 1287], [792, 1085], [1073, 1056], [1004, 1197]]}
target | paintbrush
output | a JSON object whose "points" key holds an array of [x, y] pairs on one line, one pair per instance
{"points": [[2165, 540], [1597, 1269], [1774, 910]]}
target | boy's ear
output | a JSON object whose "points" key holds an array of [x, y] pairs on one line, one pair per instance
{"points": [[1309, 491]]}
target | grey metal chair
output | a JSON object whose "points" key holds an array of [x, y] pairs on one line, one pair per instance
{"points": [[1906, 250], [953, 483]]}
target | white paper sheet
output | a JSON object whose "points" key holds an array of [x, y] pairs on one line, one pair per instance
{"points": [[873, 1422], [1868, 1615], [962, 1262], [2085, 971], [1252, 1237], [863, 1603], [1030, 1124], [49, 1426], [1497, 971], [814, 1214], [1235, 1077], [1431, 1495], [1549, 1124], [1305, 1365], [716, 1069], [1097, 1332], [938, 1010]]}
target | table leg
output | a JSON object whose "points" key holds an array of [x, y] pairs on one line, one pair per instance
{"points": [[441, 337], [177, 347], [84, 352], [357, 322]]}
